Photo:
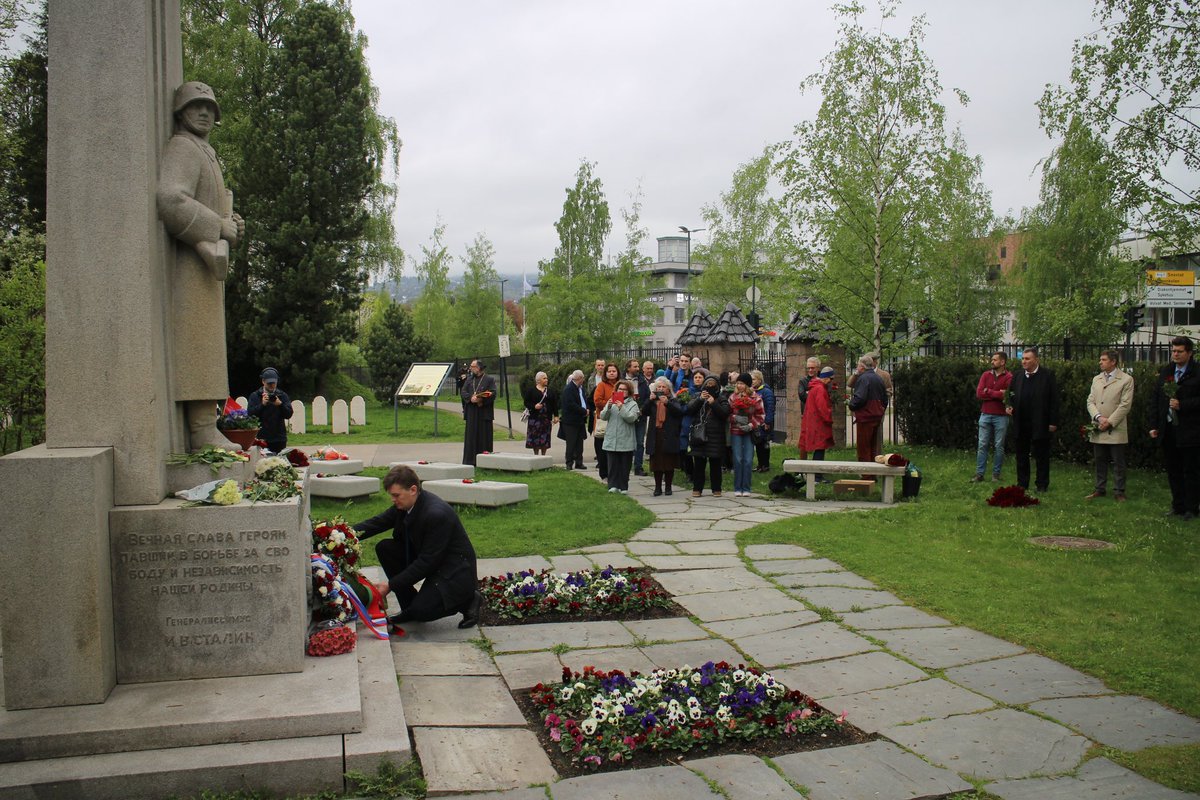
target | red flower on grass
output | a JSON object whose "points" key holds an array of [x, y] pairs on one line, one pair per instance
{"points": [[1011, 497]]}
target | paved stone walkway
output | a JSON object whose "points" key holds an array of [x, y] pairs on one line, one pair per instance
{"points": [[949, 703]]}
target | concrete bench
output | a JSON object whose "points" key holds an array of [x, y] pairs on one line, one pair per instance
{"points": [[513, 462], [438, 470], [810, 469], [341, 486], [481, 493], [350, 466]]}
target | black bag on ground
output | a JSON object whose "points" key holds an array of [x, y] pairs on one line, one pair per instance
{"points": [[785, 482]]}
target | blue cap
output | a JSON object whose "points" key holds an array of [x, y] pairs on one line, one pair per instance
{"points": [[270, 375]]}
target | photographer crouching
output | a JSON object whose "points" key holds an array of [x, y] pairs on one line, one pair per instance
{"points": [[272, 406]]}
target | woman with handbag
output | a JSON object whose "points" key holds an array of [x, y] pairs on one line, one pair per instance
{"points": [[685, 397], [621, 412], [541, 412], [707, 438], [663, 414], [604, 390], [745, 417]]}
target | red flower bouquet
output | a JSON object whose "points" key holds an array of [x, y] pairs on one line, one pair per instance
{"points": [[1011, 497], [331, 641]]}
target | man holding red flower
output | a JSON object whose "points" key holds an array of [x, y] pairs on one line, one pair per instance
{"points": [[1175, 421], [479, 402]]}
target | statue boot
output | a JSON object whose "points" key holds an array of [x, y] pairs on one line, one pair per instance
{"points": [[202, 425]]}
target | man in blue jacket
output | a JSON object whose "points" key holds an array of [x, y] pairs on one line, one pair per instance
{"points": [[764, 434], [273, 407]]}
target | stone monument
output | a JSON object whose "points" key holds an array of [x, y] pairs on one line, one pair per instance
{"points": [[160, 607]]}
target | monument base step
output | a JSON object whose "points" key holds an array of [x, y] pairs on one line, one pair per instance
{"points": [[296, 761]]}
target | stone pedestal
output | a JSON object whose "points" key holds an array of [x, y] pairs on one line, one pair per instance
{"points": [[209, 592], [437, 470], [56, 505]]}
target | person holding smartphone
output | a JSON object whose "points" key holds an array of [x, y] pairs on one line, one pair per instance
{"points": [[621, 412], [273, 408]]}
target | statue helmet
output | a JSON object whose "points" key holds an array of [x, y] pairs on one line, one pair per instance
{"points": [[193, 91]]}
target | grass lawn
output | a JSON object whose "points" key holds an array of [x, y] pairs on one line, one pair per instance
{"points": [[564, 511], [413, 424], [1127, 616]]}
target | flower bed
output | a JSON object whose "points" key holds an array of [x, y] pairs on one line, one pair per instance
{"points": [[596, 720], [546, 596]]}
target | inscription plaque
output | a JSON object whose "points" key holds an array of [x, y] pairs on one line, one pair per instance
{"points": [[209, 592]]}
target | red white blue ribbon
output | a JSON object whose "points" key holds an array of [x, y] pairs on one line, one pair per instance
{"points": [[377, 627]]}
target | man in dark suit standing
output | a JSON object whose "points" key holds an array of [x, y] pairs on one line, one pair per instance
{"points": [[572, 427], [428, 543], [1034, 412], [479, 401], [1175, 421]]}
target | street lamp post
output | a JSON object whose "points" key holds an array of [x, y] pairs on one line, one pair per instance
{"points": [[503, 363], [689, 232]]}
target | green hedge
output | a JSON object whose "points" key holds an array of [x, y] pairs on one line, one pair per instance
{"points": [[935, 404], [557, 373]]}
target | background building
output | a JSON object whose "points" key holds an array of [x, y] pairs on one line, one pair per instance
{"points": [[667, 285]]}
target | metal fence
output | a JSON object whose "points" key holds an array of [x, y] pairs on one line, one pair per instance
{"points": [[1055, 351]]}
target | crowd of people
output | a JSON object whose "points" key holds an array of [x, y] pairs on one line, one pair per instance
{"points": [[686, 419]]}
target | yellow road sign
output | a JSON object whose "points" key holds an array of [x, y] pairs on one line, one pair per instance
{"points": [[1171, 277]]}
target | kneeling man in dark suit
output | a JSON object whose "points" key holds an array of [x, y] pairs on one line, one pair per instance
{"points": [[428, 544]]}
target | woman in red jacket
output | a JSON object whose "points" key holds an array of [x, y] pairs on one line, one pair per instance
{"points": [[816, 426]]}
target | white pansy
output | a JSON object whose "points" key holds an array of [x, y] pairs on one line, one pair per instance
{"points": [[565, 693], [588, 726]]}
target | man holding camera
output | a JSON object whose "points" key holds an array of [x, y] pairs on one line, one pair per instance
{"points": [[272, 406]]}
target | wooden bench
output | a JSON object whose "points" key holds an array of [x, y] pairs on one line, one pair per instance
{"points": [[810, 469]]}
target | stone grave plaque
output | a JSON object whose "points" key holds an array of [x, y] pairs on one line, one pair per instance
{"points": [[296, 423], [341, 416], [358, 410], [320, 411], [209, 592]]}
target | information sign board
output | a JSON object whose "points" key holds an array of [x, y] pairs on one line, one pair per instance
{"points": [[423, 380], [1170, 277]]}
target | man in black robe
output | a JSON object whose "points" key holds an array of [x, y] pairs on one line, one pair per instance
{"points": [[479, 401], [428, 544]]}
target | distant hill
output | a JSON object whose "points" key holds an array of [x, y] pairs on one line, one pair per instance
{"points": [[409, 288]]}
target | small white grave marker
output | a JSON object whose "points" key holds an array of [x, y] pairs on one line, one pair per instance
{"points": [[296, 423], [358, 410], [341, 417], [320, 411]]}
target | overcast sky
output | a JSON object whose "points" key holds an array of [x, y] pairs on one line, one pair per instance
{"points": [[497, 102]]}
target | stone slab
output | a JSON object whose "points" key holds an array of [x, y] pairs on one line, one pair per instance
{"points": [[847, 580], [384, 731], [570, 563], [184, 476], [939, 648], [682, 535], [486, 567], [882, 708], [340, 417], [320, 411], [358, 410], [489, 494], [709, 547], [891, 617], [57, 501], [439, 630], [816, 642], [480, 759], [530, 793], [860, 673], [841, 600], [744, 777], [189, 585], [672, 629], [693, 654], [1098, 779], [513, 462], [524, 670], [437, 470], [626, 659], [1025, 678], [544, 636], [618, 560], [655, 548], [443, 658], [764, 552], [787, 566], [714, 606], [285, 768], [997, 744], [749, 626], [672, 563], [148, 716], [341, 466], [296, 423], [733, 525], [699, 581], [875, 769], [596, 549], [1123, 722], [669, 783], [342, 486], [437, 701]]}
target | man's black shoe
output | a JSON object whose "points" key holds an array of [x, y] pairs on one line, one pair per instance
{"points": [[471, 615]]}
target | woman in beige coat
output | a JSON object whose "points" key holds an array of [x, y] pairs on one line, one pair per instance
{"points": [[1108, 407]]}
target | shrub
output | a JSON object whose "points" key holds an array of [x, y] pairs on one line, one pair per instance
{"points": [[557, 373], [935, 404]]}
